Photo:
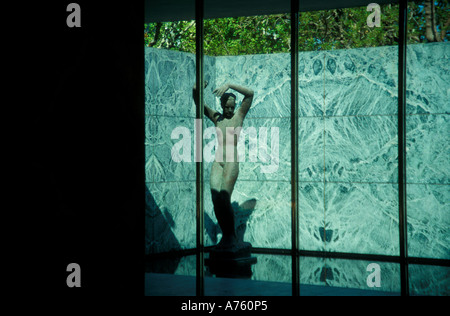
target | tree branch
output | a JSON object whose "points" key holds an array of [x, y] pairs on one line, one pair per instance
{"points": [[429, 34], [157, 33], [433, 22], [444, 29]]}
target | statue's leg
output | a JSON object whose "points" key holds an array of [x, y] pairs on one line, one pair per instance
{"points": [[229, 247], [216, 184], [230, 175], [216, 177], [221, 196]]}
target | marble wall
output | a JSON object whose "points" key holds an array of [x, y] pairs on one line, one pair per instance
{"points": [[170, 221], [428, 150], [348, 151], [348, 182], [167, 104]]}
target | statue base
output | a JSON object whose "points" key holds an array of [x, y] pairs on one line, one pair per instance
{"points": [[234, 261]]}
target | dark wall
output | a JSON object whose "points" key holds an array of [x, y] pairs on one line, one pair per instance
{"points": [[85, 134]]}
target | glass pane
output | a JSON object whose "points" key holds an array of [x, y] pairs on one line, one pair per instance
{"points": [[348, 183], [270, 276], [170, 221], [429, 280], [249, 53], [427, 131], [342, 277]]}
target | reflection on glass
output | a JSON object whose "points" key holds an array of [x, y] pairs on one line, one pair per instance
{"points": [[426, 280], [326, 276]]}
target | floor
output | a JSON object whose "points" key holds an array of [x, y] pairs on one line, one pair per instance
{"points": [[271, 275], [159, 284]]}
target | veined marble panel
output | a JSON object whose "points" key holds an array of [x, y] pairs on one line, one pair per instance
{"points": [[310, 148], [428, 78], [428, 220], [311, 215], [311, 83], [361, 218], [209, 73], [356, 218], [269, 75], [361, 81], [361, 149], [160, 166], [148, 154], [428, 149], [269, 225], [169, 78], [149, 98], [170, 226], [149, 129], [149, 150]]}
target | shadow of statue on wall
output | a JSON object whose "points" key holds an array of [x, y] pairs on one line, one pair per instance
{"points": [[159, 237], [242, 213]]}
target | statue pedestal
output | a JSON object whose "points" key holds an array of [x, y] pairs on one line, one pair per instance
{"points": [[231, 262]]}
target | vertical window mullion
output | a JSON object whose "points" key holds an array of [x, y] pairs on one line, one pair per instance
{"points": [[294, 147], [199, 9], [402, 147]]}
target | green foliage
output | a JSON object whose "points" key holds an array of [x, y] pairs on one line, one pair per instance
{"points": [[178, 35], [318, 30], [247, 35], [346, 28]]}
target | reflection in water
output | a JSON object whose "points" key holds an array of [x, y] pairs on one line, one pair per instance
{"points": [[321, 273], [234, 269]]}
